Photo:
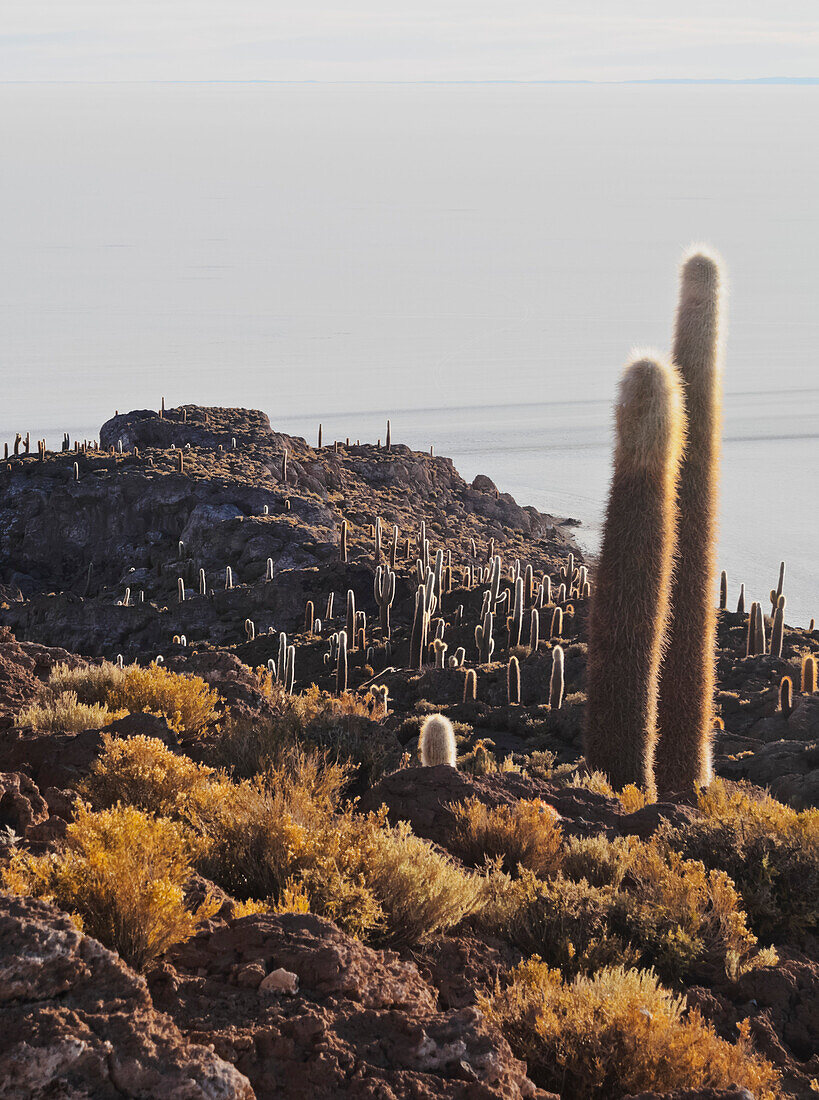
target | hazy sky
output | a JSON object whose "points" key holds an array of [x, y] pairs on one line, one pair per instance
{"points": [[409, 40]]}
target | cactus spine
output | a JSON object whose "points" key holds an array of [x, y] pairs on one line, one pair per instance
{"points": [[631, 595], [436, 744], [686, 699]]}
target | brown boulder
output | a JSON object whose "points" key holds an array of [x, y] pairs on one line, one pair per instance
{"points": [[361, 1023], [76, 1022]]}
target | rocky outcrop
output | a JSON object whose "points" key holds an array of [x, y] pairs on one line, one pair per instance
{"points": [[138, 521], [308, 1013], [76, 1022]]}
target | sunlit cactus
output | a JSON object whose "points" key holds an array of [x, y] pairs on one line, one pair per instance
{"points": [[470, 686], [633, 580], [436, 744], [685, 708], [556, 679]]}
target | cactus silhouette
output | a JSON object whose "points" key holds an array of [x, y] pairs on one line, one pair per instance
{"points": [[436, 744], [633, 582], [685, 709]]}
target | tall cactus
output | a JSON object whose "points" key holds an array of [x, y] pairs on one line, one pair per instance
{"points": [[686, 700], [630, 601]]}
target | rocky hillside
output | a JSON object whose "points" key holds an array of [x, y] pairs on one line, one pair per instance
{"points": [[281, 894]]}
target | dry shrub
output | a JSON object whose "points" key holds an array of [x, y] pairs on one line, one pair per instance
{"points": [[186, 702], [524, 834], [343, 724], [64, 713], [286, 837], [770, 851], [122, 873], [631, 797], [142, 772], [92, 683], [619, 1033], [626, 900]]}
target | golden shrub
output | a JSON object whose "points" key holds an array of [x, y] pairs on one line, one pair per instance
{"points": [[625, 900], [770, 851], [186, 702], [142, 772], [64, 713], [618, 1033], [122, 873], [526, 833]]}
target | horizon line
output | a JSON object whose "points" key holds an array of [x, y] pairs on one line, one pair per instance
{"points": [[755, 80]]}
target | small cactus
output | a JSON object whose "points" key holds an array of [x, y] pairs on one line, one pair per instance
{"points": [[436, 744], [470, 686], [180, 587], [723, 590], [556, 680], [786, 697], [513, 682], [741, 600], [440, 647], [342, 545], [309, 617], [228, 577], [808, 680], [250, 629]]}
